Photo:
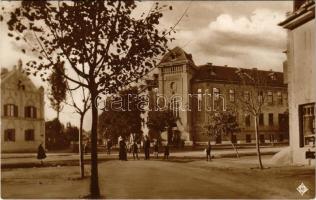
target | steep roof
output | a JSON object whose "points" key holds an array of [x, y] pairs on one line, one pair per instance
{"points": [[11, 76], [176, 54], [214, 73]]}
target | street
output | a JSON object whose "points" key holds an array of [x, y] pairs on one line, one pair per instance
{"points": [[176, 178]]}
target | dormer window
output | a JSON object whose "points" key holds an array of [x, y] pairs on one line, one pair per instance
{"points": [[30, 112]]}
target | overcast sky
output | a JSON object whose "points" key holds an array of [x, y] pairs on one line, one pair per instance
{"points": [[238, 34]]}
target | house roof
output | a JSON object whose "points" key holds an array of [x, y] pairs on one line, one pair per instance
{"points": [[214, 73]]}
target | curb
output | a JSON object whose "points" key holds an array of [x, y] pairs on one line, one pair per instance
{"points": [[73, 162]]}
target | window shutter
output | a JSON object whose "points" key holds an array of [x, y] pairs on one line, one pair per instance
{"points": [[25, 112], [300, 119], [35, 112], [15, 111], [5, 110]]}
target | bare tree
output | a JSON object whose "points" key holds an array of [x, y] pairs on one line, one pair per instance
{"points": [[254, 86], [81, 108]]}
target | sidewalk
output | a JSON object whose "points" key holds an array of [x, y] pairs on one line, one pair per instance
{"points": [[70, 159]]}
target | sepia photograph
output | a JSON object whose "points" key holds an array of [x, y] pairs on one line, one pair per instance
{"points": [[157, 99]]}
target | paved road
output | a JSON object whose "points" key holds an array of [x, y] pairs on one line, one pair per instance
{"points": [[221, 178]]}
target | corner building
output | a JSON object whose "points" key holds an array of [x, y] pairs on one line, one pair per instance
{"points": [[180, 77]]}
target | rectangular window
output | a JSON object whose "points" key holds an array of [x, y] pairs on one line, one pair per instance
{"points": [[307, 124], [10, 110], [30, 112], [260, 96], [199, 99], [9, 135], [247, 120], [270, 119], [261, 120], [270, 98], [246, 96], [216, 93], [29, 135], [279, 98], [231, 95]]}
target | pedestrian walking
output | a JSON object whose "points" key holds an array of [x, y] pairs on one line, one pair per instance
{"points": [[123, 151], [147, 148], [156, 150], [135, 150], [108, 146], [208, 152], [41, 153], [166, 152]]}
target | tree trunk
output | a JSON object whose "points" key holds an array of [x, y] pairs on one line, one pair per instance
{"points": [[58, 114], [235, 148], [81, 153], [94, 184], [257, 142]]}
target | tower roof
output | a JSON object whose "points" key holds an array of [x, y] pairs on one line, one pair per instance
{"points": [[176, 55]]}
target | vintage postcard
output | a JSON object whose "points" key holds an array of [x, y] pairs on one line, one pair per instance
{"points": [[157, 99]]}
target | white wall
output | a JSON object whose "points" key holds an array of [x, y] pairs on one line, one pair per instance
{"points": [[302, 81]]}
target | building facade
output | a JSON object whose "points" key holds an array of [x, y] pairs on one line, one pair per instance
{"points": [[179, 78], [22, 112], [300, 75]]}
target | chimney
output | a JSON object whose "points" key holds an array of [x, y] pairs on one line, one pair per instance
{"points": [[209, 64]]}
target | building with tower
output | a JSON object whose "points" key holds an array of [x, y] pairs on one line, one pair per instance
{"points": [[181, 84]]}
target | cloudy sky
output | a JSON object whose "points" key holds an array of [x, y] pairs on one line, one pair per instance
{"points": [[234, 33]]}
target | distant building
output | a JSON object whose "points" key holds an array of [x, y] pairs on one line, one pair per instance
{"points": [[22, 112], [300, 72], [179, 76]]}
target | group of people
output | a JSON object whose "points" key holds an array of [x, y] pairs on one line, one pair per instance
{"points": [[134, 149]]}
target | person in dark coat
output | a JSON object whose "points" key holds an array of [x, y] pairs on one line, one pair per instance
{"points": [[109, 146], [208, 152], [156, 149], [166, 153], [135, 150], [146, 148], [123, 151], [41, 154]]}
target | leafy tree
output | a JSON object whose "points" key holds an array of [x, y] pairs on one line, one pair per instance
{"points": [[54, 135], [72, 133], [101, 42], [122, 115], [58, 87], [222, 123], [160, 120]]}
